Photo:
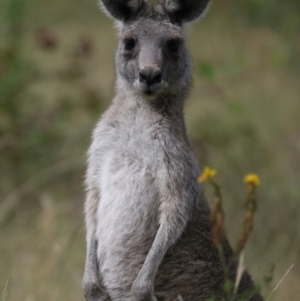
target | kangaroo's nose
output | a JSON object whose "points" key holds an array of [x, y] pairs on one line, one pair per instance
{"points": [[150, 75]]}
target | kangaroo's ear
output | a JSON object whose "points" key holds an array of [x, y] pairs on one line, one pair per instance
{"points": [[181, 11], [122, 10]]}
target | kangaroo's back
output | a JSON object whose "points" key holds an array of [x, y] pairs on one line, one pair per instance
{"points": [[148, 233]]}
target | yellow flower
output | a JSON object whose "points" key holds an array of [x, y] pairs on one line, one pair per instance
{"points": [[252, 179], [207, 174]]}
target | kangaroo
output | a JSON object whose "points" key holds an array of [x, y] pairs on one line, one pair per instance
{"points": [[148, 230]]}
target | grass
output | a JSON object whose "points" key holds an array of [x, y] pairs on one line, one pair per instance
{"points": [[242, 116]]}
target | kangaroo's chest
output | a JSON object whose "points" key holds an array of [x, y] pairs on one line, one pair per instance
{"points": [[129, 169], [129, 192], [128, 212], [127, 184]]}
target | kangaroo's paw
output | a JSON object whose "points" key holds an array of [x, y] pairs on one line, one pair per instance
{"points": [[143, 291], [93, 292]]}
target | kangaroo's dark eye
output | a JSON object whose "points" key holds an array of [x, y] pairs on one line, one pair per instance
{"points": [[173, 45], [129, 44]]}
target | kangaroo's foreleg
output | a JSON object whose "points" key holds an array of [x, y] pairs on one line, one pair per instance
{"points": [[91, 282], [176, 207], [143, 285]]}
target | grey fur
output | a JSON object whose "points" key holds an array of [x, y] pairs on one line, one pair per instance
{"points": [[181, 11], [148, 233], [123, 10]]}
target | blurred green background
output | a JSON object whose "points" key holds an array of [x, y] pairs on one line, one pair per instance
{"points": [[243, 115]]}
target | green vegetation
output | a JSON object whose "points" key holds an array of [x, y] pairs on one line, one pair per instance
{"points": [[57, 76]]}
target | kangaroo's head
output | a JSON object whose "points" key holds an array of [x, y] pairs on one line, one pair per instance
{"points": [[152, 58]]}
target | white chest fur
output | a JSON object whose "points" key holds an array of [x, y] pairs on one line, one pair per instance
{"points": [[128, 212]]}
